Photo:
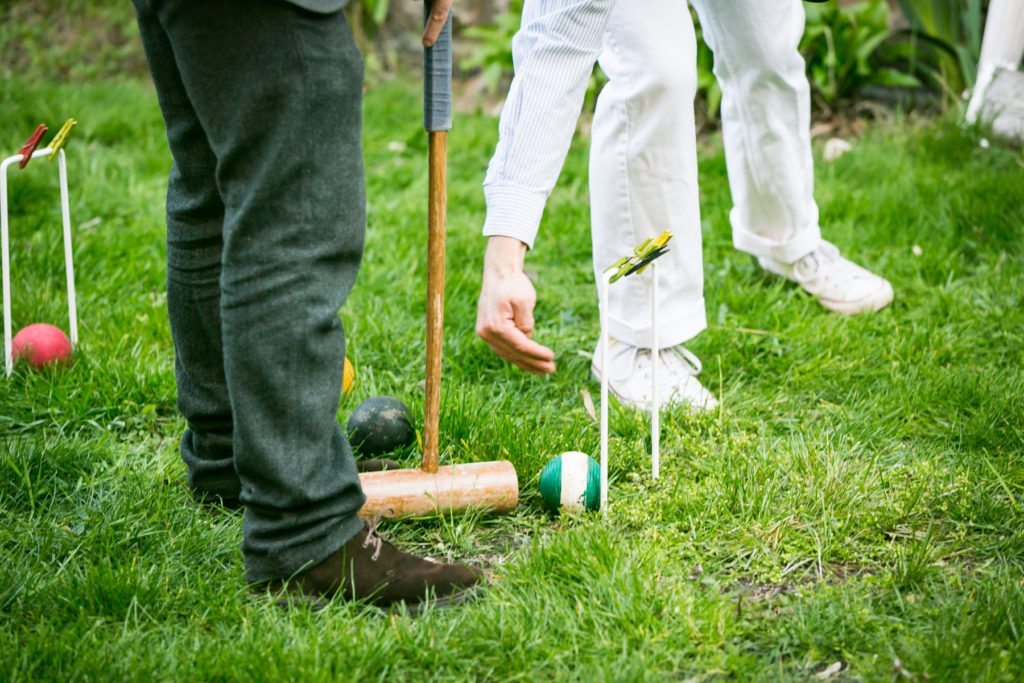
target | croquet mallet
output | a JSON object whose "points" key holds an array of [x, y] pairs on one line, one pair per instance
{"points": [[491, 486]]}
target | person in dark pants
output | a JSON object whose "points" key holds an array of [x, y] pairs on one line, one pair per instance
{"points": [[265, 224]]}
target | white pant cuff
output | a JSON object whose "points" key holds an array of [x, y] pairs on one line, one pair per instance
{"points": [[672, 330], [789, 251]]}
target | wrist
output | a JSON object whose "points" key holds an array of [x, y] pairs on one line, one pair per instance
{"points": [[504, 255]]}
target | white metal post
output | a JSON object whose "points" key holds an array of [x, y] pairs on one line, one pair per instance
{"points": [[605, 284], [655, 401], [6, 262], [69, 262]]}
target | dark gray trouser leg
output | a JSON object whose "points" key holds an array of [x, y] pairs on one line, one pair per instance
{"points": [[195, 221], [276, 91]]}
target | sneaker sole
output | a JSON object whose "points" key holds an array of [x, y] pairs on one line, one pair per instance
{"points": [[875, 301]]}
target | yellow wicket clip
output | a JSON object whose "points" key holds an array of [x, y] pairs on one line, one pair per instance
{"points": [[61, 138], [641, 257]]}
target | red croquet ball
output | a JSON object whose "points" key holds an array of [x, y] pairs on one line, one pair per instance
{"points": [[42, 344]]}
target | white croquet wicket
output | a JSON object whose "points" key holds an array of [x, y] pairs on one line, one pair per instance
{"points": [[643, 257], [29, 152]]}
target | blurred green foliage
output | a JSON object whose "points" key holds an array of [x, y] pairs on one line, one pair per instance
{"points": [[492, 55], [850, 48], [944, 41], [707, 85], [367, 17]]}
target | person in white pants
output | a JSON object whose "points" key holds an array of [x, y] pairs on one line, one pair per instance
{"points": [[643, 175]]}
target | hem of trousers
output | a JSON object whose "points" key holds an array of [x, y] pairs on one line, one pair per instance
{"points": [[789, 251], [673, 328], [296, 559]]}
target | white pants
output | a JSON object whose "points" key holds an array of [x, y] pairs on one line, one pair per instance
{"points": [[643, 159]]}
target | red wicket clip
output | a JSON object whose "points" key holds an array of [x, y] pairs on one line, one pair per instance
{"points": [[31, 144]]}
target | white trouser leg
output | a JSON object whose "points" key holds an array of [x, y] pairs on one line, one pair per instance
{"points": [[1002, 46], [766, 114], [643, 169]]}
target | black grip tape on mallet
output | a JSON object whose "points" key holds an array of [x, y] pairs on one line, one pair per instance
{"points": [[437, 78]]}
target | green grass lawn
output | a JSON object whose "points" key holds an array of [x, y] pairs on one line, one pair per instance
{"points": [[857, 502]]}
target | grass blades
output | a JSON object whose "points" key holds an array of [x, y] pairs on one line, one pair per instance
{"points": [[854, 511]]}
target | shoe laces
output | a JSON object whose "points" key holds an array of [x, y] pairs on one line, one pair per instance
{"points": [[678, 362], [810, 266], [631, 361], [689, 357], [373, 538], [671, 358]]}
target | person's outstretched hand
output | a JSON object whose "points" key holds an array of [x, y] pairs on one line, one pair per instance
{"points": [[439, 10], [504, 316]]}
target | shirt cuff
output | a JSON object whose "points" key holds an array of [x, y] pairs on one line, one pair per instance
{"points": [[513, 212]]}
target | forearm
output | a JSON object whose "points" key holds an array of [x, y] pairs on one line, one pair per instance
{"points": [[554, 54]]}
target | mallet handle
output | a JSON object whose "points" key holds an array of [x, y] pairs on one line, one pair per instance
{"points": [[437, 94], [435, 297]]}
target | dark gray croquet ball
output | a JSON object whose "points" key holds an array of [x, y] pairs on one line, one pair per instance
{"points": [[380, 425]]}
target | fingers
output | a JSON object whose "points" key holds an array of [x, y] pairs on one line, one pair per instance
{"points": [[512, 344], [523, 316], [439, 10], [505, 314]]}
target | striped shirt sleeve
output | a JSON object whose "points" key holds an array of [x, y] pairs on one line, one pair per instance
{"points": [[553, 55]]}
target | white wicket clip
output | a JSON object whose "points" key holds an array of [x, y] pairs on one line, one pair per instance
{"points": [[6, 252], [606, 283]]}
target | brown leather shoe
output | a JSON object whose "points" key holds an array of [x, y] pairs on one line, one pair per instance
{"points": [[372, 569], [230, 503]]}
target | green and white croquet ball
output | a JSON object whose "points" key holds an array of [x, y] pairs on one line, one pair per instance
{"points": [[571, 481]]}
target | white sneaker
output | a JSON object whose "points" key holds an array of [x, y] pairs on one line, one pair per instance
{"points": [[838, 283], [629, 377]]}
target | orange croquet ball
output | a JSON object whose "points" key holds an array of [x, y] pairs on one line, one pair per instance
{"points": [[348, 378], [41, 344]]}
